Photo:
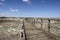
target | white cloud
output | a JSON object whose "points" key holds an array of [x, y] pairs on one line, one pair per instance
{"points": [[14, 10], [1, 3], [27, 1], [2, 0]]}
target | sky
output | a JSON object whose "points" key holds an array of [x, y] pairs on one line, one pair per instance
{"points": [[30, 8]]}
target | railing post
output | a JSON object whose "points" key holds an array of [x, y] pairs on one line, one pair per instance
{"points": [[48, 25], [23, 24], [34, 21], [41, 23]]}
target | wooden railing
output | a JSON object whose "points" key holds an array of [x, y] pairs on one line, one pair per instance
{"points": [[45, 25], [24, 33]]}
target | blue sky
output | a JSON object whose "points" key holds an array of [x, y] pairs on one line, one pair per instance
{"points": [[30, 8]]}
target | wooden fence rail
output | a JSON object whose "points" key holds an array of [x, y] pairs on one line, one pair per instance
{"points": [[49, 26]]}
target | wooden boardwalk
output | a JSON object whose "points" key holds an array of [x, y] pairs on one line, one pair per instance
{"points": [[34, 34], [31, 29]]}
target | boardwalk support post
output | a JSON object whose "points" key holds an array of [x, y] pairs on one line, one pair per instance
{"points": [[34, 21], [41, 23], [49, 26], [24, 33]]}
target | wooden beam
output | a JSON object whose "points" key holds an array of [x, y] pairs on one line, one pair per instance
{"points": [[48, 25]]}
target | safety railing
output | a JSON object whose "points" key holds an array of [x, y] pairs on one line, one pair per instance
{"points": [[50, 26]]}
